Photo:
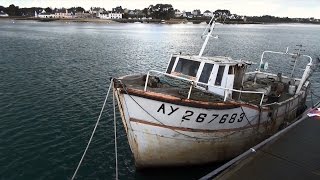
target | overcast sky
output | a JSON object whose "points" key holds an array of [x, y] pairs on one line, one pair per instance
{"points": [[282, 8]]}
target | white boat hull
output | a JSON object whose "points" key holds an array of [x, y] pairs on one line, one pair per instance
{"points": [[164, 133]]}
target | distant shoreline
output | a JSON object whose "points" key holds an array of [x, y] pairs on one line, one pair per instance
{"points": [[152, 21], [80, 20]]}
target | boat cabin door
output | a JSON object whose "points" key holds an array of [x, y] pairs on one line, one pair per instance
{"points": [[222, 77]]}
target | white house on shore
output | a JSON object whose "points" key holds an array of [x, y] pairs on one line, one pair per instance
{"points": [[187, 14], [3, 14], [43, 14], [63, 13], [59, 14], [110, 15]]}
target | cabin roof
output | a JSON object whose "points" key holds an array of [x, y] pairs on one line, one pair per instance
{"points": [[215, 59]]}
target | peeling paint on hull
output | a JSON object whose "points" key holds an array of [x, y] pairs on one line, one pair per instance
{"points": [[166, 134], [154, 150]]}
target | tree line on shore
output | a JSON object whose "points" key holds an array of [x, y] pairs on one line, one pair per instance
{"points": [[13, 10], [160, 11]]}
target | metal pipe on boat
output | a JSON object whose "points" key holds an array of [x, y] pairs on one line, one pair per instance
{"points": [[239, 95], [189, 93], [291, 54], [225, 95], [207, 37], [261, 99], [262, 56], [304, 77], [146, 83], [259, 68]]}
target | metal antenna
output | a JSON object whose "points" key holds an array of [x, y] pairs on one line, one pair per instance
{"points": [[207, 32]]}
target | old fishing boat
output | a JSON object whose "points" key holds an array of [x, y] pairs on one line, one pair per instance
{"points": [[206, 109]]}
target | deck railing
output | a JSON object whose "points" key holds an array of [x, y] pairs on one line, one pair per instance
{"points": [[306, 72], [193, 83]]}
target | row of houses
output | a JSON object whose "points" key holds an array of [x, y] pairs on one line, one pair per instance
{"points": [[117, 13], [92, 13], [58, 14], [311, 19], [194, 13], [109, 15], [197, 14], [104, 14]]}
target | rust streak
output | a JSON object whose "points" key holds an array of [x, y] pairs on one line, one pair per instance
{"points": [[191, 129]]}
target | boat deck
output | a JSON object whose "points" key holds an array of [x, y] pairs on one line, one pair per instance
{"points": [[177, 88], [294, 155], [169, 88]]}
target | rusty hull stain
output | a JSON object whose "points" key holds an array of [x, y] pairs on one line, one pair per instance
{"points": [[175, 152], [191, 129]]}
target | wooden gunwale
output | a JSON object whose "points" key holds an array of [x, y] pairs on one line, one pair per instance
{"points": [[189, 102]]}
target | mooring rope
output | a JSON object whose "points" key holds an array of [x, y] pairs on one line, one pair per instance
{"points": [[115, 133], [94, 130]]}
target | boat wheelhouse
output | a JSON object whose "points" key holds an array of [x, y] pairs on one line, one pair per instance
{"points": [[216, 73]]}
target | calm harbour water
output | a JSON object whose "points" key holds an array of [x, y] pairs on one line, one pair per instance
{"points": [[54, 77]]}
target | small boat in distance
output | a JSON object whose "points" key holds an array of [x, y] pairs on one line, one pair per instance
{"points": [[207, 109]]}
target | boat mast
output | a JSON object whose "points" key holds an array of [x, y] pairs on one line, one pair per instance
{"points": [[207, 32]]}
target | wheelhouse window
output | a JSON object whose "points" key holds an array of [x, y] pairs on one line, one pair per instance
{"points": [[169, 69], [187, 67], [206, 72], [219, 76], [231, 70]]}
